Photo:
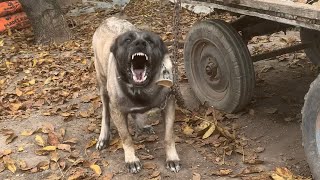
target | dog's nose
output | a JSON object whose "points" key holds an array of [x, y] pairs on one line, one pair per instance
{"points": [[140, 43]]}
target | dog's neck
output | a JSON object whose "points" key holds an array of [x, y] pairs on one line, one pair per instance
{"points": [[140, 95]]}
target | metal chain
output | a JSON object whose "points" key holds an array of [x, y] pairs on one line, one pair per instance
{"points": [[175, 53]]}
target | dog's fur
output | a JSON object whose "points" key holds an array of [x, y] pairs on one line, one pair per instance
{"points": [[113, 43]]}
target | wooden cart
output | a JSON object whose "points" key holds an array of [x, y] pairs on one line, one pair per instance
{"points": [[220, 68]]}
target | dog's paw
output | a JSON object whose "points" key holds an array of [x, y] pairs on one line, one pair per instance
{"points": [[174, 166], [134, 167], [102, 143]]}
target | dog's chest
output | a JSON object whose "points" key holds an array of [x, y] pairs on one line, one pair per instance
{"points": [[138, 100]]}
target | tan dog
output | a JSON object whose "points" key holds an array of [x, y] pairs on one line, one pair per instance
{"points": [[134, 71]]}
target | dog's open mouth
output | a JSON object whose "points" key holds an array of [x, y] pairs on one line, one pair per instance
{"points": [[139, 63]]}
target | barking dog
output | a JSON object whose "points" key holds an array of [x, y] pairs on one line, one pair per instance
{"points": [[133, 68]]}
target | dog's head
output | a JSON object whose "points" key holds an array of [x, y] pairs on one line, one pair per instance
{"points": [[139, 55]]}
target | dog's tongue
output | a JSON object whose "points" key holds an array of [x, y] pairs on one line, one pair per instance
{"points": [[138, 73]]}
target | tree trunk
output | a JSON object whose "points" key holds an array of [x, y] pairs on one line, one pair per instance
{"points": [[47, 20]]}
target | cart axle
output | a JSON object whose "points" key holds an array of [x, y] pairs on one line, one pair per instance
{"points": [[280, 52]]}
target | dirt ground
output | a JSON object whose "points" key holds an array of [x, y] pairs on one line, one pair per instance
{"points": [[65, 109]]}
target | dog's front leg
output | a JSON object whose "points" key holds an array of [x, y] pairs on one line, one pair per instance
{"points": [[120, 121], [105, 123], [173, 161]]}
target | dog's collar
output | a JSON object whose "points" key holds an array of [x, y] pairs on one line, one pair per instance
{"points": [[134, 90]]}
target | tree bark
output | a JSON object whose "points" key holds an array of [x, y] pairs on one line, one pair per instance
{"points": [[47, 20]]}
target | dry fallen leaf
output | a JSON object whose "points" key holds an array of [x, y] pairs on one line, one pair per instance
{"points": [[209, 131], [91, 143], [6, 131], [222, 172], [251, 170], [196, 176], [278, 177], [84, 114], [253, 161], [41, 152], [88, 98], [10, 138], [10, 135], [5, 152], [15, 106], [78, 174], [27, 132], [187, 130], [20, 149], [151, 138], [65, 114], [47, 127], [32, 82], [49, 148], [65, 147], [54, 156], [43, 165], [149, 165], [9, 163], [282, 174], [48, 80], [53, 139], [96, 169], [62, 164], [155, 174], [39, 140], [62, 132], [145, 156], [18, 92], [108, 176], [22, 165], [72, 140]]}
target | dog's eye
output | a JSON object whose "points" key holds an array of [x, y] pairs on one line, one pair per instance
{"points": [[128, 40], [149, 41]]}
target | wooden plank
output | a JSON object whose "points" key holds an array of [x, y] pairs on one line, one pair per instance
{"points": [[269, 15], [281, 6]]}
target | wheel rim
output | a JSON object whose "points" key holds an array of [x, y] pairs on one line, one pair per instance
{"points": [[208, 71], [318, 133]]}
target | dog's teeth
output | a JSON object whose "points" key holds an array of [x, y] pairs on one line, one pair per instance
{"points": [[139, 54]]}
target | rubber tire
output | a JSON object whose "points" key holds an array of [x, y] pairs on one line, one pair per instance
{"points": [[240, 70], [313, 53], [310, 112]]}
